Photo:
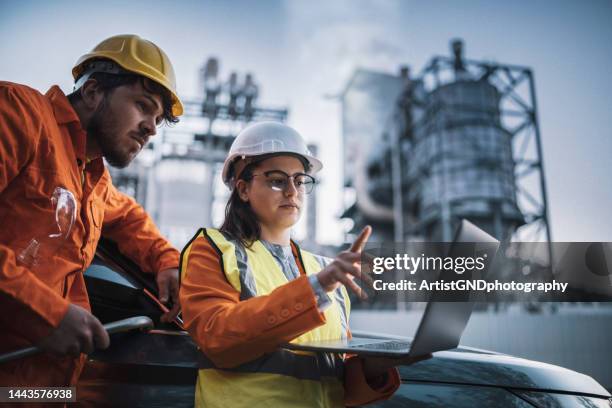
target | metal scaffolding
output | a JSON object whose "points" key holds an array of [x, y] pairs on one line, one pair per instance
{"points": [[518, 116], [459, 140]]}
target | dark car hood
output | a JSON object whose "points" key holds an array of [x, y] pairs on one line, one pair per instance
{"points": [[480, 367]]}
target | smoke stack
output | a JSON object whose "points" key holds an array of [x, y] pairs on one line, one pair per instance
{"points": [[457, 50]]}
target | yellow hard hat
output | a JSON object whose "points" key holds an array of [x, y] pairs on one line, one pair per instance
{"points": [[137, 55]]}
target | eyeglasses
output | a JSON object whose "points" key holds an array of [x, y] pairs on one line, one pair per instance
{"points": [[278, 180]]}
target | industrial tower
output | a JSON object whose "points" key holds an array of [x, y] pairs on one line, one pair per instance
{"points": [[460, 140]]}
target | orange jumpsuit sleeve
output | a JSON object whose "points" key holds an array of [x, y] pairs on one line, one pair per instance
{"points": [[24, 297], [230, 331], [128, 224]]}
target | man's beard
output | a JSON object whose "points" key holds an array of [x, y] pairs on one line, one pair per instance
{"points": [[101, 129]]}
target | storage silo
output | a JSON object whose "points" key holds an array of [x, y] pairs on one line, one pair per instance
{"points": [[461, 164]]}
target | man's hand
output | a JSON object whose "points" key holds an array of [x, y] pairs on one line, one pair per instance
{"points": [[168, 287], [78, 332]]}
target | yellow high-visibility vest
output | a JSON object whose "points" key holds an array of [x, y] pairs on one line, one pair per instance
{"points": [[283, 378]]}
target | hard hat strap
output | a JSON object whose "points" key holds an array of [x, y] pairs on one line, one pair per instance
{"points": [[101, 65]]}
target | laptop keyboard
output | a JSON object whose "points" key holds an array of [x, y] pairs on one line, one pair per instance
{"points": [[387, 345]]}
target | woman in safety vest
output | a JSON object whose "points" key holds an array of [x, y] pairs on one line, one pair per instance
{"points": [[247, 288]]}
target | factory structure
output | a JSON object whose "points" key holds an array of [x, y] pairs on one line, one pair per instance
{"points": [[458, 140]]}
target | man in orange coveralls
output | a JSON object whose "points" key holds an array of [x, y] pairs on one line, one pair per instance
{"points": [[57, 198]]}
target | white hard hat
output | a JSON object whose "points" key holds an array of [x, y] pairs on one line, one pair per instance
{"points": [[263, 138]]}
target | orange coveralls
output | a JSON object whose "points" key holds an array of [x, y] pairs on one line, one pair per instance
{"points": [[229, 331], [42, 147]]}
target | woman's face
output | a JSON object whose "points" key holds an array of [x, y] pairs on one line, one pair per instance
{"points": [[274, 209]]}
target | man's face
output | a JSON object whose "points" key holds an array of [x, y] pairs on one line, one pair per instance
{"points": [[124, 121]]}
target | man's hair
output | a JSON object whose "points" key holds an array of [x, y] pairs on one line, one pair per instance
{"points": [[108, 82]]}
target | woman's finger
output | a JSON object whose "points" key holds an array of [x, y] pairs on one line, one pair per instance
{"points": [[351, 268], [358, 259], [349, 256], [361, 239], [347, 267], [346, 280]]}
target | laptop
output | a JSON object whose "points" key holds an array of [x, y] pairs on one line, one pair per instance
{"points": [[441, 325]]}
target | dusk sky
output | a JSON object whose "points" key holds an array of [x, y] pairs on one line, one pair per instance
{"points": [[301, 52]]}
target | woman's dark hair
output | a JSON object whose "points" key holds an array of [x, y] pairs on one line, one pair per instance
{"points": [[108, 82], [240, 221]]}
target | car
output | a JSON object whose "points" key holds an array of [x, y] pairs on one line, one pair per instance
{"points": [[159, 367]]}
